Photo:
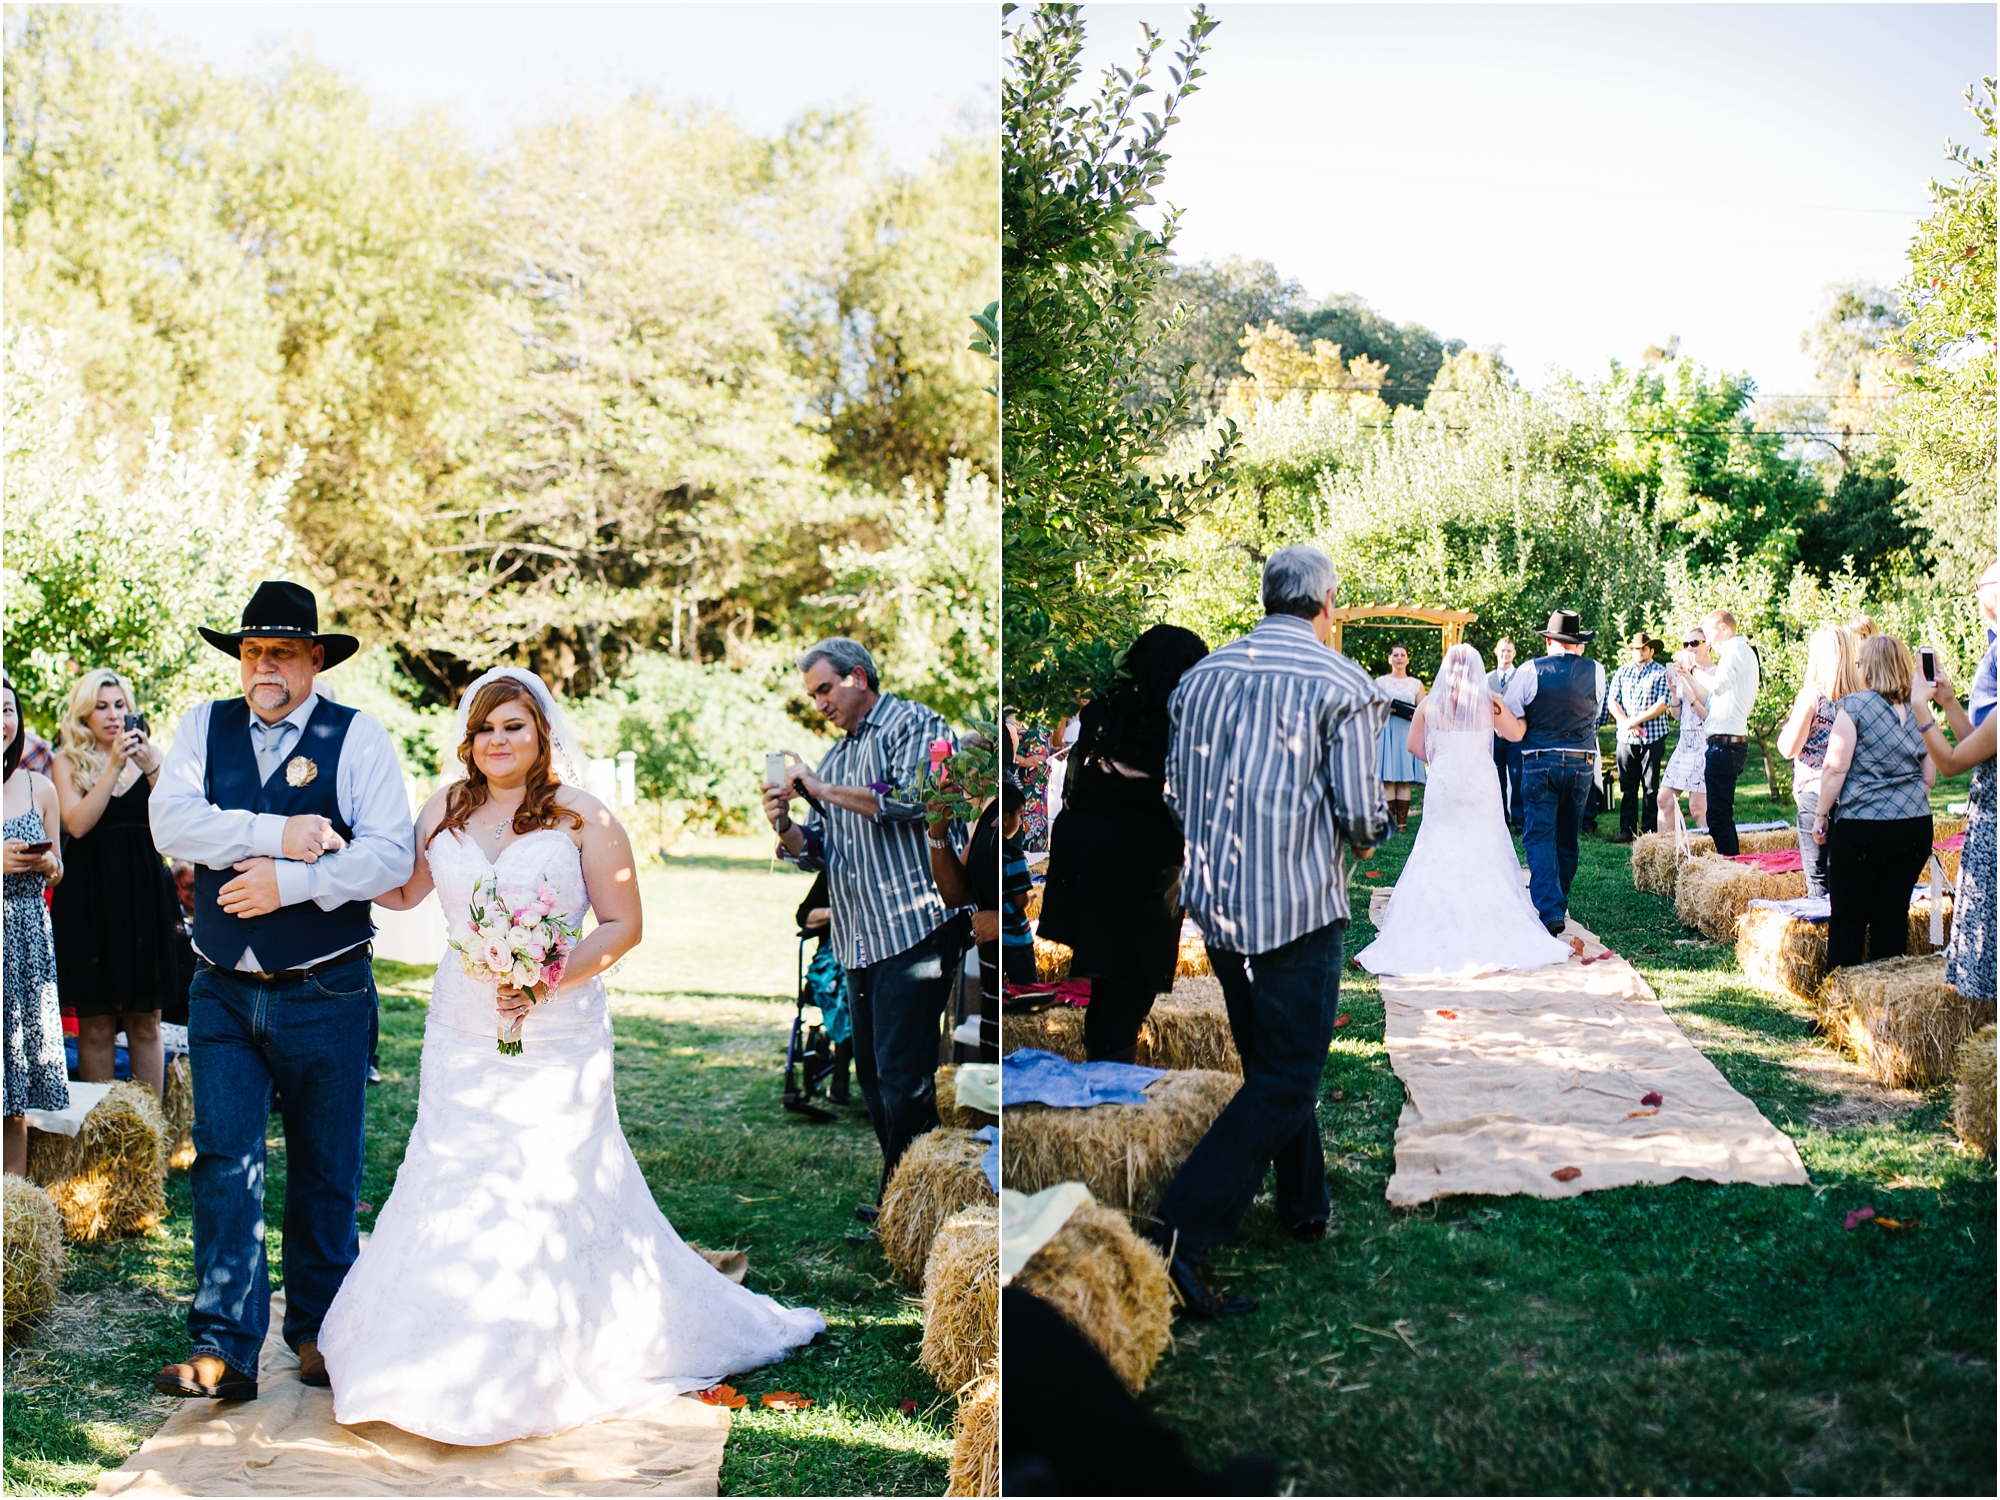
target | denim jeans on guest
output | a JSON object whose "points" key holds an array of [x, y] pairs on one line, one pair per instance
{"points": [[1639, 765], [1812, 853], [1507, 765], [1724, 765], [897, 1005], [309, 1039], [1555, 785], [1281, 1006]]}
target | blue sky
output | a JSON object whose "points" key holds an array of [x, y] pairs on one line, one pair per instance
{"points": [[1571, 182], [494, 66]]}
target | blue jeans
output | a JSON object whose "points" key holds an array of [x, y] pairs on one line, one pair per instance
{"points": [[1555, 785], [1812, 853], [1723, 766], [1507, 764], [897, 1005], [1282, 1006], [309, 1038]]}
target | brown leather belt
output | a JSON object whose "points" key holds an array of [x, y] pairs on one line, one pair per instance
{"points": [[1729, 739]]}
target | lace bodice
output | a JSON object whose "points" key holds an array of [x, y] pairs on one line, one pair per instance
{"points": [[457, 866]]}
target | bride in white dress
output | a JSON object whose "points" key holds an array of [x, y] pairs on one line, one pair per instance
{"points": [[1459, 907], [520, 1280]]}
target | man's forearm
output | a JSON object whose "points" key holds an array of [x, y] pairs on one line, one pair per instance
{"points": [[855, 799]]}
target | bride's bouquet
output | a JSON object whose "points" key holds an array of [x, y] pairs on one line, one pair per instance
{"points": [[514, 937]]}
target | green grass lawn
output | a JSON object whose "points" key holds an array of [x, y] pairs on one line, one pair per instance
{"points": [[1688, 1339], [702, 1012]]}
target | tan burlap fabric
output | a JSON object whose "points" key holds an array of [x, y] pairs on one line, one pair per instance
{"points": [[287, 1443], [1533, 1074]]}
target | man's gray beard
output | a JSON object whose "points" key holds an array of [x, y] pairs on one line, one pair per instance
{"points": [[272, 687]]}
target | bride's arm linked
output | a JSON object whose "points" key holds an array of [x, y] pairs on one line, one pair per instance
{"points": [[1417, 734], [611, 877], [1505, 724], [412, 891]]}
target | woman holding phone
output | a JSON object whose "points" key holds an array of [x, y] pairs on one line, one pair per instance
{"points": [[35, 1074], [116, 912]]}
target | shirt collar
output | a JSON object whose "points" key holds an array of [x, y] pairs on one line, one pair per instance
{"points": [[1284, 622], [881, 703], [296, 718]]}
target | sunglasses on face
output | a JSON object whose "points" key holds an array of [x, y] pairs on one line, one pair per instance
{"points": [[1697, 641]]}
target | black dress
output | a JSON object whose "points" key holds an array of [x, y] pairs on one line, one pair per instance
{"points": [[115, 914]]}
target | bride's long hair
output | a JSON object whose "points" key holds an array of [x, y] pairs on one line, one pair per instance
{"points": [[1461, 699], [539, 808]]}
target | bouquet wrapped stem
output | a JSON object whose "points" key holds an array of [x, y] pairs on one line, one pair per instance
{"points": [[514, 937]]}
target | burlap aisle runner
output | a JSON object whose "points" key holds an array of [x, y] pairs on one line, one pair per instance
{"points": [[287, 1443], [1515, 1078]]}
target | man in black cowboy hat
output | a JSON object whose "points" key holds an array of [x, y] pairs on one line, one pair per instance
{"points": [[293, 812], [1561, 700]]}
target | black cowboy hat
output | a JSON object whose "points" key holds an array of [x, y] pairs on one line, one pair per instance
{"points": [[1566, 625], [279, 609]]}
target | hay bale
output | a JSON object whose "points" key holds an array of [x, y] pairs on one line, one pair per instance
{"points": [[179, 1113], [1193, 955], [1781, 954], [1111, 1285], [1059, 1029], [1126, 1154], [1052, 961], [975, 1440], [105, 1181], [1944, 828], [1189, 1028], [1712, 892], [1657, 860], [35, 1256], [1031, 904], [1920, 926], [962, 1297], [938, 1175], [948, 1107], [1900, 1018], [1972, 1103]]}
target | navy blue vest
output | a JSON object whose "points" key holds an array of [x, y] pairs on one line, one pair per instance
{"points": [[1563, 715], [300, 933]]}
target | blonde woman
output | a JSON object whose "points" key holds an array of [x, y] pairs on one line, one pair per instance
{"points": [[1830, 676], [1687, 766], [115, 912], [1874, 807]]}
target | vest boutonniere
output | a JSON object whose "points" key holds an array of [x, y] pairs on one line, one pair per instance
{"points": [[300, 772]]}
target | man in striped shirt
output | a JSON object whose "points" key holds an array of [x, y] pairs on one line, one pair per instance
{"points": [[889, 927], [1272, 773], [1641, 694]]}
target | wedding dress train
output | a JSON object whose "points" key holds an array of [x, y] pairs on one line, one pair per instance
{"points": [[520, 1280], [1459, 907]]}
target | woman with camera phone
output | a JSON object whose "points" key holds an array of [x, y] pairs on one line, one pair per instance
{"points": [[115, 911]]}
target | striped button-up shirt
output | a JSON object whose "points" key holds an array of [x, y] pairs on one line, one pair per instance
{"points": [[878, 870], [1272, 773], [1636, 687]]}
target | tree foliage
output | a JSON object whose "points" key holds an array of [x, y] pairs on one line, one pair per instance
{"points": [[1082, 421], [105, 570], [617, 387], [1944, 422]]}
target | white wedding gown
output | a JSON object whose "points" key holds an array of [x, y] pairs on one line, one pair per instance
{"points": [[1459, 907], [520, 1280]]}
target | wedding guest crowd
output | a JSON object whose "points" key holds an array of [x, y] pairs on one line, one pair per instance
{"points": [[116, 914], [36, 1077], [1113, 892], [1271, 769], [1641, 695], [891, 931], [1874, 811], [1686, 769], [1803, 737], [1398, 768], [1506, 753]]}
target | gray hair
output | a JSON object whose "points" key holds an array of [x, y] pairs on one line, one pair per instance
{"points": [[1297, 580], [847, 656]]}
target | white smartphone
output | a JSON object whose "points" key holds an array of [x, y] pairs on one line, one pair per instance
{"points": [[774, 768]]}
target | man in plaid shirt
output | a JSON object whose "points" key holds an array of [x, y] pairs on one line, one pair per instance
{"points": [[1641, 693]]}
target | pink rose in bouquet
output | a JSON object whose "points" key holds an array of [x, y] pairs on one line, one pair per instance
{"points": [[514, 938]]}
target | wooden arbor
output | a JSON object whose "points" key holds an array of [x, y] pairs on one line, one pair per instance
{"points": [[1450, 623]]}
